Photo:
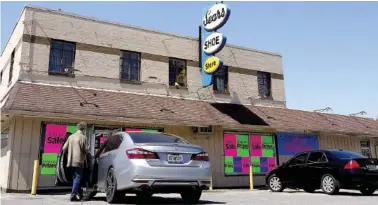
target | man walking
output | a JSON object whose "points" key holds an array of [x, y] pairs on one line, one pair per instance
{"points": [[77, 148]]}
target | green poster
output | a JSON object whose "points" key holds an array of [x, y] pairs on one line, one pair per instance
{"points": [[48, 164], [255, 161], [72, 129], [150, 130], [243, 145], [228, 165], [268, 146]]}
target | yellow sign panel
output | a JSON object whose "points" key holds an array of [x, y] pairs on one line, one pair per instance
{"points": [[212, 64]]}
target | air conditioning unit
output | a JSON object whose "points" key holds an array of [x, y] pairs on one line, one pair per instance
{"points": [[203, 129]]}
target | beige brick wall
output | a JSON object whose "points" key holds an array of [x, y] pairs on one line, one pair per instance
{"points": [[14, 43], [100, 69]]}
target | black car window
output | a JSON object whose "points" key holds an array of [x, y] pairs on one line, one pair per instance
{"points": [[316, 157], [300, 159], [114, 141], [142, 137], [346, 155]]}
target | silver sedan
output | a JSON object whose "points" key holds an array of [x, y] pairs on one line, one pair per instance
{"points": [[146, 163]]}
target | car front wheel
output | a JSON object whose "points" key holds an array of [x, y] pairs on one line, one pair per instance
{"points": [[112, 194], [275, 184], [191, 196], [330, 185]]}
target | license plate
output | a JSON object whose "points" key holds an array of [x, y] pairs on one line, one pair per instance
{"points": [[175, 159], [373, 167]]}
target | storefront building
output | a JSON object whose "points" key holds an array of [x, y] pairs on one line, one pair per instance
{"points": [[60, 68]]}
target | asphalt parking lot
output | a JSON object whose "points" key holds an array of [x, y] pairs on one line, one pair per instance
{"points": [[236, 197]]}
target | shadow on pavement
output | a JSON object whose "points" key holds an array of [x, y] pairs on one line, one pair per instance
{"points": [[343, 193], [155, 200]]}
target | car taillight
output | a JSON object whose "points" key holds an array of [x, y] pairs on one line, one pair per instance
{"points": [[203, 156], [352, 164], [140, 154]]}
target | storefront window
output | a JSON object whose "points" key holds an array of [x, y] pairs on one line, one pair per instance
{"points": [[4, 138], [365, 148]]}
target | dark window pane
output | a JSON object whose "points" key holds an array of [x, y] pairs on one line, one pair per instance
{"points": [[68, 47], [300, 159], [134, 56], [67, 59], [125, 55], [55, 60], [141, 137], [315, 157], [56, 45], [125, 76]]}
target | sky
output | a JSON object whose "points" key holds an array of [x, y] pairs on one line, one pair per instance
{"points": [[329, 49]]}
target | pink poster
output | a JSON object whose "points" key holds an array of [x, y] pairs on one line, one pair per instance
{"points": [[246, 162], [255, 146], [271, 163], [103, 139], [132, 129], [229, 143], [54, 138]]}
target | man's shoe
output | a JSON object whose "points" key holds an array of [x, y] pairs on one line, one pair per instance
{"points": [[74, 198]]}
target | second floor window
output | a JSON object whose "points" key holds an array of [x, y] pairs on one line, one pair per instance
{"points": [[62, 57], [221, 79], [177, 72], [11, 68], [1, 77], [264, 84], [130, 66]]}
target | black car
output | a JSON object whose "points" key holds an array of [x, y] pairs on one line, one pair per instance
{"points": [[329, 170]]}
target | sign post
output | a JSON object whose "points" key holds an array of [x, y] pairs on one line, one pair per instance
{"points": [[211, 41]]}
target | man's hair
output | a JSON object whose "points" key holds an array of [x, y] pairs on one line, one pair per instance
{"points": [[81, 126]]}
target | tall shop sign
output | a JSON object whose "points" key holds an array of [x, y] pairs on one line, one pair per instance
{"points": [[212, 41]]}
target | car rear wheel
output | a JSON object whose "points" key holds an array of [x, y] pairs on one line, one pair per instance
{"points": [[191, 196], [330, 185], [112, 194], [368, 190], [275, 184]]}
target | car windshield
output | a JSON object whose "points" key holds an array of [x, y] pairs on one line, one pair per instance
{"points": [[347, 154], [142, 137]]}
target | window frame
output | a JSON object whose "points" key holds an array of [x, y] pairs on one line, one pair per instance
{"points": [[323, 157], [5, 138], [289, 163], [185, 68], [225, 76], [10, 74], [264, 83], [364, 148], [61, 69], [139, 63], [109, 143]]}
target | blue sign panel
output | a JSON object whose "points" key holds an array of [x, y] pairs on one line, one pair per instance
{"points": [[292, 143], [212, 42]]}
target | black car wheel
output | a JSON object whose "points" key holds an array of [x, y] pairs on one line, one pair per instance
{"points": [[275, 184], [191, 196], [112, 194], [368, 190], [330, 185]]}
